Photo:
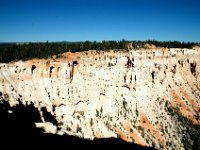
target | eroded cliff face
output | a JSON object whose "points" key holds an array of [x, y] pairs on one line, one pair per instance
{"points": [[110, 94]]}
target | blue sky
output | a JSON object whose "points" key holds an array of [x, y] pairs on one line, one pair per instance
{"points": [[80, 20]]}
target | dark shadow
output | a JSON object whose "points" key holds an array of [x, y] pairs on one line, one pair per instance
{"points": [[193, 68], [47, 116], [33, 68], [17, 130]]}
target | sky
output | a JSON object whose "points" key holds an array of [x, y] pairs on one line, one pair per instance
{"points": [[96, 20]]}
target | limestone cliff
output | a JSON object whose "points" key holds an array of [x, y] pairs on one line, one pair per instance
{"points": [[110, 94]]}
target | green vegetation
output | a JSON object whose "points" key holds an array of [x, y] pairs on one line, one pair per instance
{"points": [[110, 64], [68, 128], [97, 113], [197, 116], [91, 122], [23, 51], [125, 104], [189, 131]]}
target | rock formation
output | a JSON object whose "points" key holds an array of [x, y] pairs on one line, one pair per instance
{"points": [[97, 94]]}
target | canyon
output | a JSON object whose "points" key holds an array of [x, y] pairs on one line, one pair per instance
{"points": [[117, 93]]}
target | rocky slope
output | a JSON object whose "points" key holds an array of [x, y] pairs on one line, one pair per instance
{"points": [[94, 94]]}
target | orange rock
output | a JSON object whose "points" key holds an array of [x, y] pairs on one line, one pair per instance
{"points": [[193, 103], [134, 134], [121, 134], [183, 107], [98, 135], [145, 123]]}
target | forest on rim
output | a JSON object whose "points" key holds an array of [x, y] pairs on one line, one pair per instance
{"points": [[28, 50]]}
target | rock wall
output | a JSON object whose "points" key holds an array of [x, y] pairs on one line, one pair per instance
{"points": [[110, 94]]}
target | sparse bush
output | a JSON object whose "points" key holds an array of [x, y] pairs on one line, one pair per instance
{"points": [[140, 128], [197, 116], [78, 117], [124, 105], [110, 64], [136, 111], [97, 113], [108, 125], [68, 128], [191, 138], [91, 122], [101, 111]]}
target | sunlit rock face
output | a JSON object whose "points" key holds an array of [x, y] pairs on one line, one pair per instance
{"points": [[110, 94]]}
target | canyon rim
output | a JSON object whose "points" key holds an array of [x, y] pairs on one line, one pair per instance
{"points": [[139, 95]]}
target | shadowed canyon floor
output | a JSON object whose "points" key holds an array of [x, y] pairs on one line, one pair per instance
{"points": [[17, 126], [150, 97]]}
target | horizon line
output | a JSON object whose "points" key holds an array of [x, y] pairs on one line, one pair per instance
{"points": [[72, 41]]}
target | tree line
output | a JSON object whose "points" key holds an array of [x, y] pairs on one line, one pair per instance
{"points": [[23, 51]]}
